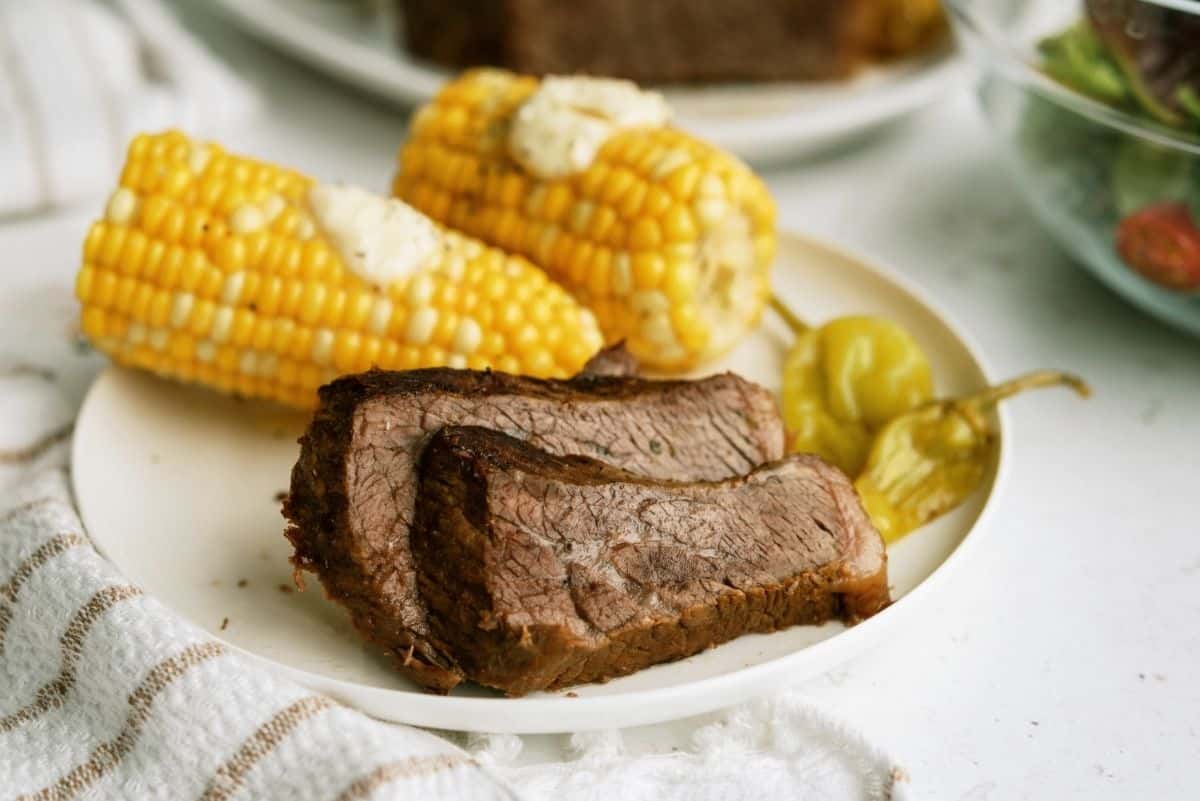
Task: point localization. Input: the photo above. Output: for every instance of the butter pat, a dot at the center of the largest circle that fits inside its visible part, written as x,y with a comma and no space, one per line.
380,239
559,129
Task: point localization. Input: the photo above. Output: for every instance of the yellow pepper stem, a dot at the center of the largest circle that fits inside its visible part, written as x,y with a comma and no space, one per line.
923,463
793,321
1036,379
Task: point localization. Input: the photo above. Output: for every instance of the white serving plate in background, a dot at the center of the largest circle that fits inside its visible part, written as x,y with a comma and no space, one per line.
761,122
178,485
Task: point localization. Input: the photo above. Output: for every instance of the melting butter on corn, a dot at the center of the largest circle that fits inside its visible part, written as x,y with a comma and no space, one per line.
560,128
380,239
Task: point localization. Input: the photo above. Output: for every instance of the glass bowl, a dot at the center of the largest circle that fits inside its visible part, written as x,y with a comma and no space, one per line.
1118,190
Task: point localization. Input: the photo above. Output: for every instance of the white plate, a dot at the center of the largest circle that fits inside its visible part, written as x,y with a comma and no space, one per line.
760,122
177,486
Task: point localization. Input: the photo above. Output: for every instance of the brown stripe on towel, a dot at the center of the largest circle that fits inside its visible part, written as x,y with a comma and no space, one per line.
27,506
108,755
401,769
47,551
25,369
229,777
53,694
37,447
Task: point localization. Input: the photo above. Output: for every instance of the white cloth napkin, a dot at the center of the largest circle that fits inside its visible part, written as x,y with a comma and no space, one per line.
79,78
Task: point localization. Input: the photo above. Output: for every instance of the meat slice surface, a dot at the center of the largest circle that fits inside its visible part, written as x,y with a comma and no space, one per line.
353,488
541,571
615,360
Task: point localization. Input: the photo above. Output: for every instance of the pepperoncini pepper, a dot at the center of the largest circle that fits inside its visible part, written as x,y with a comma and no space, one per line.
845,379
927,461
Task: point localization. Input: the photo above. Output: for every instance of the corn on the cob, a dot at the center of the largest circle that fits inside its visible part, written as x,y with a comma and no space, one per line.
667,239
213,268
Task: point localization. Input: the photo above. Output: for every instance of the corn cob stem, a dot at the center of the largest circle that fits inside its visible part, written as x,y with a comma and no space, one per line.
793,321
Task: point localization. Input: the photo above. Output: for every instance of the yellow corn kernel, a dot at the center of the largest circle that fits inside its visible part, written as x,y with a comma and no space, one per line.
173,224
291,294
85,282
263,334
345,350
211,282
539,362
92,322
201,320
658,201
368,353
645,235
620,181
603,222
312,303
181,348
139,308
559,200
192,271
349,308
682,183
434,356
678,224
243,327
681,283
648,269
509,316
109,253
570,349
160,308
631,205
583,262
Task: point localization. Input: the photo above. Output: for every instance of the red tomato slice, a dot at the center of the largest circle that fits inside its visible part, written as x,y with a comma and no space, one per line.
1162,244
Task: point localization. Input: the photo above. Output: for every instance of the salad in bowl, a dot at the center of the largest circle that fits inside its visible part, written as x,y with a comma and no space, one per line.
1099,116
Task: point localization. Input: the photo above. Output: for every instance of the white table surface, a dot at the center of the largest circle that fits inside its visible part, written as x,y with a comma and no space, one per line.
1062,660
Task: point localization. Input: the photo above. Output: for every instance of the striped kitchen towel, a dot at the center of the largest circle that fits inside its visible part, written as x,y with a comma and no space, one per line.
79,78
108,696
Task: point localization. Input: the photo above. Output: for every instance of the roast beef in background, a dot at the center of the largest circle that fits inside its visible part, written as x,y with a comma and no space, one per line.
655,41
353,488
541,571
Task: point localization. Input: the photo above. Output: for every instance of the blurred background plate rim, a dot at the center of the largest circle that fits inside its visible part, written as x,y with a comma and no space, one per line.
546,713
856,105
